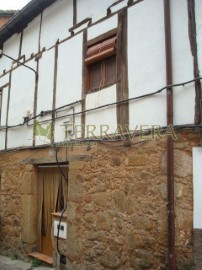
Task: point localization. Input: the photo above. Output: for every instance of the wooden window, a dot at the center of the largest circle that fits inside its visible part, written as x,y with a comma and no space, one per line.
101,64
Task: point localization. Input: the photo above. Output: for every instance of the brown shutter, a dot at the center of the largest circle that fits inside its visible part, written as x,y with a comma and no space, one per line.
110,70
101,50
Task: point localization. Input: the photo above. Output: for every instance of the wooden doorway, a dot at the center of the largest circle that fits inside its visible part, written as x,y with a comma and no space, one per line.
52,197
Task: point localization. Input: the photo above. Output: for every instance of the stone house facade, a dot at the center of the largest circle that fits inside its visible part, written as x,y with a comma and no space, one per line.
100,134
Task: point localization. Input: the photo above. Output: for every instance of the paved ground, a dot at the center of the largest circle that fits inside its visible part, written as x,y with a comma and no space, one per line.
6,267
7,263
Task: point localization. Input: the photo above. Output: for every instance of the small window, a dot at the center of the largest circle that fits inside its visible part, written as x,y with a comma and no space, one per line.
101,64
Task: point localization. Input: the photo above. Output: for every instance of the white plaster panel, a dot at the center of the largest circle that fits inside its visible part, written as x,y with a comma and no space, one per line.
184,97
146,63
11,48
31,37
45,84
22,93
4,80
59,135
197,186
57,19
103,27
90,9
4,106
20,137
198,12
105,116
21,101
119,6
69,77
2,139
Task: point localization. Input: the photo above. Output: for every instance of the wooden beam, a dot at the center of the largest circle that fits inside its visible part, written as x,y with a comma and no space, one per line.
122,70
84,82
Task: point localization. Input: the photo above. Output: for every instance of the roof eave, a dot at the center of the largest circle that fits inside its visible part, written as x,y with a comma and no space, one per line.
22,18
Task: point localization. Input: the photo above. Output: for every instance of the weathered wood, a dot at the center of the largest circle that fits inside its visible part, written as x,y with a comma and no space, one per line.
7,110
74,12
84,82
122,70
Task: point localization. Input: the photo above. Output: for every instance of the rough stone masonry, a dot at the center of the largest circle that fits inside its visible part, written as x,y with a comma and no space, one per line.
117,205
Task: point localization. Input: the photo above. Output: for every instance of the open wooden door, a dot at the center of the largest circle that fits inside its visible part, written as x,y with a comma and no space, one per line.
52,194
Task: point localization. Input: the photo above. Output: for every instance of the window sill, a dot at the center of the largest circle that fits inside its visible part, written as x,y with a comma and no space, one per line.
101,88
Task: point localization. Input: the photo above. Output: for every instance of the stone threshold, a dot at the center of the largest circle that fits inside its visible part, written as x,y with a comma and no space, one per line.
42,257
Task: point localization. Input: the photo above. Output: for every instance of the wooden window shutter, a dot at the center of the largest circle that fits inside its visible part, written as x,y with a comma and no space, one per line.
101,50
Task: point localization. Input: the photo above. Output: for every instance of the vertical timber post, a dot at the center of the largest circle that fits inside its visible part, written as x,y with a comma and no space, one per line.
170,151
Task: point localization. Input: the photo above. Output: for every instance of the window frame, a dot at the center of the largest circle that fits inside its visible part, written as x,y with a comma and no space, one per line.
101,58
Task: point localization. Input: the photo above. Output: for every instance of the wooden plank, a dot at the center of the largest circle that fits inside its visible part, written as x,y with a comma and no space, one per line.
54,91
42,257
122,70
74,12
7,111
84,82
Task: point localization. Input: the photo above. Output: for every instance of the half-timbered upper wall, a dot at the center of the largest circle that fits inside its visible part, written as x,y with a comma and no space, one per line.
56,21
60,67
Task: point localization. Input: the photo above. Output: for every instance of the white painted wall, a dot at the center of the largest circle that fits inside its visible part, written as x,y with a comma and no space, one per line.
105,116
197,185
103,27
2,139
22,93
146,63
4,80
24,137
46,80
69,78
30,43
45,89
90,9
11,48
57,19
184,97
59,134
4,106
198,11
119,6
21,101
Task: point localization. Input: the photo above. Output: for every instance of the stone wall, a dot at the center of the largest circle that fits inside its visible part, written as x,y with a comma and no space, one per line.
117,204
18,205
117,211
